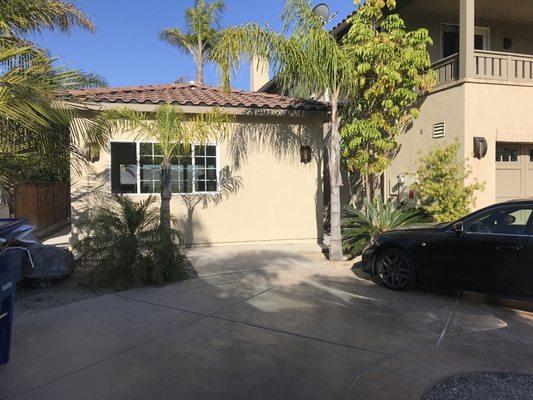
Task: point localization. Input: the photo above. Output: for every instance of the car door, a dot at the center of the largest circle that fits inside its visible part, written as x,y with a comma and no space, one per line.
527,271
494,246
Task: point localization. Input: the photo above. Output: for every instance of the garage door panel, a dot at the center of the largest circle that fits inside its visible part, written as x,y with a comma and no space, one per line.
509,183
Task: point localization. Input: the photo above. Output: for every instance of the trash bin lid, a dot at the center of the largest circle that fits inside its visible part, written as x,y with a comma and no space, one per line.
10,224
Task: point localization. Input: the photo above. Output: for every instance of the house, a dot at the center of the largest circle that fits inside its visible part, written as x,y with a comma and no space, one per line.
483,54
262,184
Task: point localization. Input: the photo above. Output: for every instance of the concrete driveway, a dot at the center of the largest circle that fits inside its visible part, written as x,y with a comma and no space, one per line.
262,323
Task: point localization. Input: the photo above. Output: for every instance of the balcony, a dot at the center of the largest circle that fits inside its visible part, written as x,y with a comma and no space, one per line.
488,65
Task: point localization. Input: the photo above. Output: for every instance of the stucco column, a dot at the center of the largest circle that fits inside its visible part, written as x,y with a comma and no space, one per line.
467,33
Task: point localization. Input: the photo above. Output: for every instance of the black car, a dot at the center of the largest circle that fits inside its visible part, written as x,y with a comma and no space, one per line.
488,251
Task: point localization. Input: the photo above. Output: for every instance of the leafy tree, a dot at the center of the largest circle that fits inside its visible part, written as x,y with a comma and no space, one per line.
393,70
126,244
175,133
442,186
33,130
308,60
360,227
201,34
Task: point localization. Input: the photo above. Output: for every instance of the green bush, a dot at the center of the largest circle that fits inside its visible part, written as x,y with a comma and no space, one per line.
130,247
441,184
359,227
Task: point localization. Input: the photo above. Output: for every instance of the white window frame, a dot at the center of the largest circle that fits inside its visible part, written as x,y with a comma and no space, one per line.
138,160
480,30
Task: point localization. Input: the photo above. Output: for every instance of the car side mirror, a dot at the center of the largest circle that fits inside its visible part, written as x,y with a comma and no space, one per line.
459,228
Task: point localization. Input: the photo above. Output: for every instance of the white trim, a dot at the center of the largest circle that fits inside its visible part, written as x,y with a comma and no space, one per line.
480,30
138,158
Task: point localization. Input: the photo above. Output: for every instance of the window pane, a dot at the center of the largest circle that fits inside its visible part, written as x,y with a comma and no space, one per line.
200,186
123,168
509,221
211,162
211,151
199,150
212,186
212,174
507,154
200,161
146,149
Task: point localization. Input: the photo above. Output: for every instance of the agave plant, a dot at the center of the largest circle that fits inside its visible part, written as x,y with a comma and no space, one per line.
129,247
360,227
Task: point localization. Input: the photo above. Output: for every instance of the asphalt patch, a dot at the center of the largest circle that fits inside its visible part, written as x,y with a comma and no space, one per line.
483,386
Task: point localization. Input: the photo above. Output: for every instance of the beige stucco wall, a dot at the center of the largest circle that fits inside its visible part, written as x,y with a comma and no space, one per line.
277,199
444,106
500,113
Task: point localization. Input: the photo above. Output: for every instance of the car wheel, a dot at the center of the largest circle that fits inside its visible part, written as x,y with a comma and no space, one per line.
396,270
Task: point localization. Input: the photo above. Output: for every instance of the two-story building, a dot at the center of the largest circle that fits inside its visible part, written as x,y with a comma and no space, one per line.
483,54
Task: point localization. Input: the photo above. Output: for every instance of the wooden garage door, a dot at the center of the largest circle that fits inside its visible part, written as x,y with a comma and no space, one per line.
514,171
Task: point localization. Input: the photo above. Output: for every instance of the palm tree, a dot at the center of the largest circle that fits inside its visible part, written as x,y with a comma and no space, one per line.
30,121
201,34
306,59
174,132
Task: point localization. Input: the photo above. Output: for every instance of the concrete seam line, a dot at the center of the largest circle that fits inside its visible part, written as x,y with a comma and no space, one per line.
346,346
123,351
450,318
368,368
213,316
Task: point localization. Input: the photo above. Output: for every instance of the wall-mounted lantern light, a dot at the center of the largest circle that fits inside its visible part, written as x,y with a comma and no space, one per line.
306,154
507,43
481,147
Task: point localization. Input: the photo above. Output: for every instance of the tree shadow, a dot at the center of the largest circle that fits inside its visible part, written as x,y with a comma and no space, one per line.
228,186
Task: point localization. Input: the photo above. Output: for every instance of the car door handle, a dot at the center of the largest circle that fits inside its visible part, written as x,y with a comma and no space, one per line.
509,249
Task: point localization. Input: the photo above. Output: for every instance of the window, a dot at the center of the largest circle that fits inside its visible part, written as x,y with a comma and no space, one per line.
136,168
450,39
508,221
123,168
507,154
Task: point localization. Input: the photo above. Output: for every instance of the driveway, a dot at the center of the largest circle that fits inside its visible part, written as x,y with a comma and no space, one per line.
263,323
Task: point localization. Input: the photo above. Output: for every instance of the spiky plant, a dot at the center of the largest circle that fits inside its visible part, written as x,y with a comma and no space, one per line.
359,227
128,247
201,34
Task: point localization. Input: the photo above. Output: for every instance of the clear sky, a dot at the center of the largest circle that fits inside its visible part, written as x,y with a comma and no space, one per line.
126,49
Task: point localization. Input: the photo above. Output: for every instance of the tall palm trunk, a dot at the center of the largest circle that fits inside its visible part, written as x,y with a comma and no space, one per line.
166,193
200,63
334,150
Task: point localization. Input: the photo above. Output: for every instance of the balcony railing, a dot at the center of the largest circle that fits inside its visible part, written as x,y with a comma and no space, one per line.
447,69
504,66
491,65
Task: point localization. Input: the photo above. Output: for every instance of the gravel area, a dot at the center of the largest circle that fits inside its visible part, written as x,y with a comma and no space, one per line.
483,386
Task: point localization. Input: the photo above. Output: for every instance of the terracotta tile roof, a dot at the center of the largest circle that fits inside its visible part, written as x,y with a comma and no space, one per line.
191,95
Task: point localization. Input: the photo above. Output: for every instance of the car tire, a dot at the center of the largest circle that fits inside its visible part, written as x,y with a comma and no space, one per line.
396,270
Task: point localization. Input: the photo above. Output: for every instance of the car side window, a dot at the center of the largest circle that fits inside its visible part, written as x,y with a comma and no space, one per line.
503,221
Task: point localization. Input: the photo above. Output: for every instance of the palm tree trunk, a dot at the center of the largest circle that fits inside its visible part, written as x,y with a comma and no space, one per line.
166,193
199,61
335,246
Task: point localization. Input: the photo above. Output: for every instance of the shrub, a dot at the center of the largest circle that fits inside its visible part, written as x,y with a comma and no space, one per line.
130,247
376,217
441,184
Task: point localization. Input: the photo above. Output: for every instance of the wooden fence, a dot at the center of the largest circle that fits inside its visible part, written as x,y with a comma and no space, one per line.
42,204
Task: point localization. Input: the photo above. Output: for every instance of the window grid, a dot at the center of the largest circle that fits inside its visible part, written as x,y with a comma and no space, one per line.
195,174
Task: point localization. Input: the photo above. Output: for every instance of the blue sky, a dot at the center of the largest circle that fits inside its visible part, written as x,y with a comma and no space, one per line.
126,49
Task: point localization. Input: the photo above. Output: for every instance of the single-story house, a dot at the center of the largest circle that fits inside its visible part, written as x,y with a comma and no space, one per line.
262,184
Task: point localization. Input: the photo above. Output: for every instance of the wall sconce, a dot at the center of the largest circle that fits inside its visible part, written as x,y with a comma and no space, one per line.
507,43
305,154
92,153
481,147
